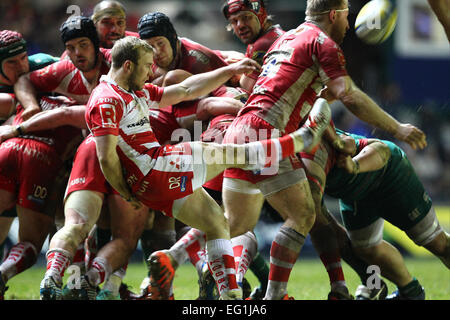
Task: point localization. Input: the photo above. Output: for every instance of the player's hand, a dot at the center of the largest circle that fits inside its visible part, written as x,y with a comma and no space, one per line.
7,132
29,112
245,66
412,135
233,57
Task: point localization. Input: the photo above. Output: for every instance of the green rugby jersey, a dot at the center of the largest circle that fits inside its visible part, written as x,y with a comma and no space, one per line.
37,61
395,178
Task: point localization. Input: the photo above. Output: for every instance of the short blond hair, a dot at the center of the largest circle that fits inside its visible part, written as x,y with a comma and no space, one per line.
128,48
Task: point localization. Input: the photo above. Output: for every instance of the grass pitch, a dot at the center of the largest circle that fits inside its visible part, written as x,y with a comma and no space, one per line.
308,281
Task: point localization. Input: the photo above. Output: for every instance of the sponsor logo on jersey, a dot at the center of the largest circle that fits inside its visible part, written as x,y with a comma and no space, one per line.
140,123
183,183
81,180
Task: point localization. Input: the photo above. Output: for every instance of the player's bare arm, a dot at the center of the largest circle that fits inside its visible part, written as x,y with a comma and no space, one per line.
202,84
112,168
26,94
372,157
45,120
361,105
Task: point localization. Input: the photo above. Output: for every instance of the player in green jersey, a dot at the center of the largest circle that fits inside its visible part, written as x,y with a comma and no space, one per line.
376,183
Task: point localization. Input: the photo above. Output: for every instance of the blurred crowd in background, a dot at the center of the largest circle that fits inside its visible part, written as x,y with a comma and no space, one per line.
202,21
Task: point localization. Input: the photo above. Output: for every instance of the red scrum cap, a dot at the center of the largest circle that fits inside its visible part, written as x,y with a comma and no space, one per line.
256,7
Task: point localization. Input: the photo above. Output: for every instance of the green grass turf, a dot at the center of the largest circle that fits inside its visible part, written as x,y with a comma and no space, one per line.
308,281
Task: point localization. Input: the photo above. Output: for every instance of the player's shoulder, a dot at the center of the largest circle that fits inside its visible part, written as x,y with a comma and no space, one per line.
58,69
131,34
265,41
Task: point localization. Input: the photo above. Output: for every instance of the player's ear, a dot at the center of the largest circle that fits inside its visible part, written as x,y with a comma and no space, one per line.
332,15
128,66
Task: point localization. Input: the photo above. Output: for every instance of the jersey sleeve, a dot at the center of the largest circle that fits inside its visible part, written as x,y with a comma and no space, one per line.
154,95
103,115
331,60
49,78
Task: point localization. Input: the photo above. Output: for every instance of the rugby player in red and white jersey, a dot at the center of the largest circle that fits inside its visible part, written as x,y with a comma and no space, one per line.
175,59
165,178
251,24
255,28
110,19
74,78
296,68
31,166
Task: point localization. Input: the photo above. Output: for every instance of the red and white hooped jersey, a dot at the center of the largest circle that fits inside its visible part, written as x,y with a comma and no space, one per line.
295,69
113,110
64,78
259,48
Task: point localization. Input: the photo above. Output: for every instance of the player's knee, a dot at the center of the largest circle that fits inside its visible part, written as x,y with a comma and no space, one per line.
73,234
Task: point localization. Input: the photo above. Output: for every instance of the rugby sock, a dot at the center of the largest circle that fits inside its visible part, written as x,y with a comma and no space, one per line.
114,281
190,246
57,262
99,271
283,254
221,264
332,262
21,257
79,258
266,153
325,242
244,248
260,269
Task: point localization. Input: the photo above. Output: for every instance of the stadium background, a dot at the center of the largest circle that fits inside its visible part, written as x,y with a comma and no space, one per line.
408,76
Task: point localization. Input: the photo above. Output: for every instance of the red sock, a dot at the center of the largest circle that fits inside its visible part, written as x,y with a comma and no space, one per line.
332,262
21,257
57,262
221,264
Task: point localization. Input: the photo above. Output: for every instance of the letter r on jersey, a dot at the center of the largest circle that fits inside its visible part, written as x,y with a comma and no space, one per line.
108,114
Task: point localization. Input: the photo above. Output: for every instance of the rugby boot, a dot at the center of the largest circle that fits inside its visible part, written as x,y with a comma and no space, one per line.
364,293
50,289
161,275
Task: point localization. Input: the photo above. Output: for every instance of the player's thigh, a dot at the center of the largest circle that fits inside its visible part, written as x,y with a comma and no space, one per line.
33,226
126,222
200,211
294,202
7,200
243,202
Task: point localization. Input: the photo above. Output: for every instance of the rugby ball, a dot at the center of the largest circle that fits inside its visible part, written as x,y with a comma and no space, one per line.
376,21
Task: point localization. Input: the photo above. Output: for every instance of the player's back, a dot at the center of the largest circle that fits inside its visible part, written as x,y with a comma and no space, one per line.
295,69
196,58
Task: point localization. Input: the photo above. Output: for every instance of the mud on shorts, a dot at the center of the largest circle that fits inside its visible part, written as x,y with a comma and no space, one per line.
27,169
289,171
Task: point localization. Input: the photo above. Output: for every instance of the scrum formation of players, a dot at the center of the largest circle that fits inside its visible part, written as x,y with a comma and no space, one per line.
89,155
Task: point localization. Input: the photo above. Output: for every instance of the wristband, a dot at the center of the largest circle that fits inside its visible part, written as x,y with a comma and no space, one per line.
19,130
356,166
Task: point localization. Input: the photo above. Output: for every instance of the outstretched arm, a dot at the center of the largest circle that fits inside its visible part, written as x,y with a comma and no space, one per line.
362,106
203,83
45,120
